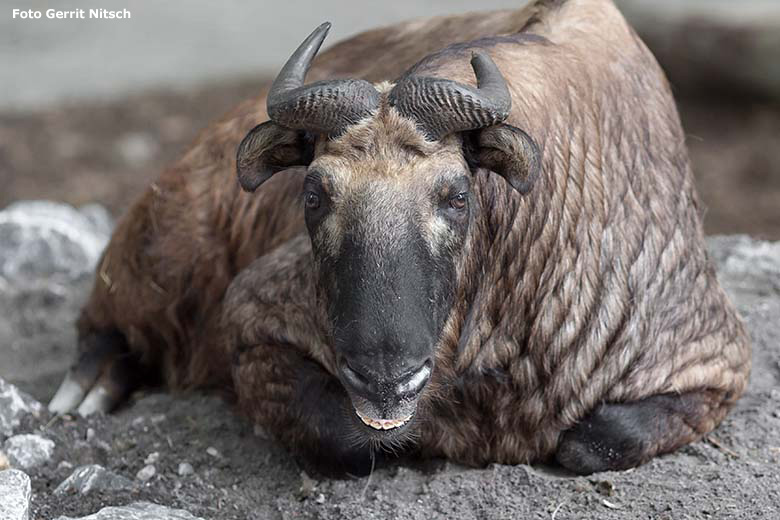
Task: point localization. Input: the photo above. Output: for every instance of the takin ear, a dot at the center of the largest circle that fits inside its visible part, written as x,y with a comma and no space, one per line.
269,148
507,151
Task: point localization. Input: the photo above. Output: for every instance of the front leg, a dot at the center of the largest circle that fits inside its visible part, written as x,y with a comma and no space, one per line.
302,405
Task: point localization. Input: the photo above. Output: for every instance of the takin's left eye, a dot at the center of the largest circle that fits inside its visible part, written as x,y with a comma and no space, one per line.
458,201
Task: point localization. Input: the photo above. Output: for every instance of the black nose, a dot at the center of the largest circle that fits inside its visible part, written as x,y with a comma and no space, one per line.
375,388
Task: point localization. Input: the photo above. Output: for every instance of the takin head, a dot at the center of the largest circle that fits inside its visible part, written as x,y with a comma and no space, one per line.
389,210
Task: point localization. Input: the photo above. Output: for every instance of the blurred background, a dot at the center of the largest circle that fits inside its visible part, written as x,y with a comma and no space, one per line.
91,110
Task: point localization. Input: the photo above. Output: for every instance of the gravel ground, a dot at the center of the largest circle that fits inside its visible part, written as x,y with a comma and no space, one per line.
237,473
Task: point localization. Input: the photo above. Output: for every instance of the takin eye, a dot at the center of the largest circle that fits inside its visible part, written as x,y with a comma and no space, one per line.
312,201
458,202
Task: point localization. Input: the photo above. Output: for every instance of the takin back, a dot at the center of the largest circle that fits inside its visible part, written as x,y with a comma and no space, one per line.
482,242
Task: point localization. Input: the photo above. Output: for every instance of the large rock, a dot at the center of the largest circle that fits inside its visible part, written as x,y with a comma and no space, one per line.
48,253
15,494
14,404
747,265
41,240
137,511
28,451
92,477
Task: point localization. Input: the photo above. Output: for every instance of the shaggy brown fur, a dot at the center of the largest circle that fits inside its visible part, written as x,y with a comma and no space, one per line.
593,288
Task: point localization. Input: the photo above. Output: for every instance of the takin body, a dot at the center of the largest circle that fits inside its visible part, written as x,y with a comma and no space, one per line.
513,272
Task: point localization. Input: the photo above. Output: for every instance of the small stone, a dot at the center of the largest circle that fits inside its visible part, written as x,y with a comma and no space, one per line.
28,450
211,450
604,487
137,511
308,486
92,477
64,465
146,473
152,458
4,462
16,491
14,404
185,468
90,434
320,499
157,418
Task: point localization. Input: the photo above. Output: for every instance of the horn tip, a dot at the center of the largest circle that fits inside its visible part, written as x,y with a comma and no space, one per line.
477,55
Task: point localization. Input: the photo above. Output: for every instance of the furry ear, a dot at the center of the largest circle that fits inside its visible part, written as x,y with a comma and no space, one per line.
269,148
507,151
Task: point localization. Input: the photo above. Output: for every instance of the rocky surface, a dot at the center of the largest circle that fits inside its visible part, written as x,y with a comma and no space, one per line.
14,495
48,253
137,511
92,477
28,450
14,404
213,464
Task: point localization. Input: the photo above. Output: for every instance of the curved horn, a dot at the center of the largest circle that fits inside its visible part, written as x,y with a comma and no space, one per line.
443,106
323,106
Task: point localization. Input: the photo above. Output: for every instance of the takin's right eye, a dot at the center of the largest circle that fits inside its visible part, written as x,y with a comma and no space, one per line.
315,199
312,201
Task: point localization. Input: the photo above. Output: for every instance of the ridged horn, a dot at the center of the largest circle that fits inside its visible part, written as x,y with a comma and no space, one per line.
442,106
323,106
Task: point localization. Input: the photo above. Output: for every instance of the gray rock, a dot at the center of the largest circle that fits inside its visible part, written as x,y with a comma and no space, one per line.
185,468
14,404
211,450
48,252
41,240
92,477
152,458
28,450
15,491
137,511
749,266
146,473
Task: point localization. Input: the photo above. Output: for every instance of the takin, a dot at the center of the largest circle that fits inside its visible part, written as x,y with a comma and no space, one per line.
484,244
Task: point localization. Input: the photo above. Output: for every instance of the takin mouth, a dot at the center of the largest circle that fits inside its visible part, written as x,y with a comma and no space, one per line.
383,424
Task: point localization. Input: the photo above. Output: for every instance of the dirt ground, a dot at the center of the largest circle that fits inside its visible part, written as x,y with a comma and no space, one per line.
108,152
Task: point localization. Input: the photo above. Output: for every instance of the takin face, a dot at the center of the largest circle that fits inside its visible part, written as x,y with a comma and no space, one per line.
389,210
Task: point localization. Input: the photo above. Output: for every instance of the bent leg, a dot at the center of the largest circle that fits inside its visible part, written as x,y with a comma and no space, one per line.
623,435
302,405
104,374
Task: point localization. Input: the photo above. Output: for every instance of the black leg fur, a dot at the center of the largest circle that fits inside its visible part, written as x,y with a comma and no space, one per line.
104,374
304,407
623,435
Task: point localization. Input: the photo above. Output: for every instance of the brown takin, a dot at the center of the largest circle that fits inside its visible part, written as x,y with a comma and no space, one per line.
487,250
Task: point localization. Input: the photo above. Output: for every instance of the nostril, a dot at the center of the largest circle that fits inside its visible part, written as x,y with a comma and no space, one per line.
354,378
415,382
